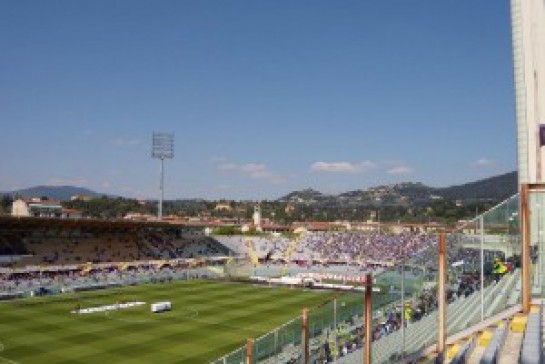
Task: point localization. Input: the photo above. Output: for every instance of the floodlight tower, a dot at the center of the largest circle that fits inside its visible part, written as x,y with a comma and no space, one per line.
162,148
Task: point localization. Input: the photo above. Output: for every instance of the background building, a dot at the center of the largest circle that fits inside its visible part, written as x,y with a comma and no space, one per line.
36,207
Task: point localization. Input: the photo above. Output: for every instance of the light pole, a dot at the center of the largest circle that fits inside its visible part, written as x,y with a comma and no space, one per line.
162,148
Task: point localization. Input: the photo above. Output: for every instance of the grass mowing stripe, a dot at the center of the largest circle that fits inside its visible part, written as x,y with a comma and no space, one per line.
208,320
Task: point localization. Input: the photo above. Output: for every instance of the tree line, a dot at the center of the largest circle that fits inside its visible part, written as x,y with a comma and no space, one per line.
440,211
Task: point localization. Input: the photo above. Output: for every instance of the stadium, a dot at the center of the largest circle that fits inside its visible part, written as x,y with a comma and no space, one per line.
81,291
78,290
87,278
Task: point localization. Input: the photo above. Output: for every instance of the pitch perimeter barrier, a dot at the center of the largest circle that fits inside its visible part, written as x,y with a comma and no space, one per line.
103,281
479,268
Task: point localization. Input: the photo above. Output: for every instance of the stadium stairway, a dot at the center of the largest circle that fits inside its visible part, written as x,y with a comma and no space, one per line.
503,295
287,255
290,249
510,351
420,333
489,344
251,250
495,299
461,313
499,339
532,343
517,339
515,294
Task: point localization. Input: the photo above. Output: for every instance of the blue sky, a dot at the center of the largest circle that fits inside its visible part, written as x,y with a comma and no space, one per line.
264,97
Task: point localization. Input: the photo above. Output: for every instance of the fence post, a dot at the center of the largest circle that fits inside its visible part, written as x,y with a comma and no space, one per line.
441,297
368,318
305,338
526,262
249,351
276,344
336,351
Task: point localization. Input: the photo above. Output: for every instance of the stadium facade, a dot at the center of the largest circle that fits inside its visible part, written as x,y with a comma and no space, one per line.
528,31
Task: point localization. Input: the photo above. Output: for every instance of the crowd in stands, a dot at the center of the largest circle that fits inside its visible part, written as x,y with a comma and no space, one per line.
350,334
7,247
331,247
369,247
105,248
53,281
44,247
184,244
47,247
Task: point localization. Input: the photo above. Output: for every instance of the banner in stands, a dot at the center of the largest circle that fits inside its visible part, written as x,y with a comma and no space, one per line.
333,277
118,265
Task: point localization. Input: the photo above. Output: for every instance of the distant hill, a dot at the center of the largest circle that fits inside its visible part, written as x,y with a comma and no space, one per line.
395,194
307,195
62,193
495,188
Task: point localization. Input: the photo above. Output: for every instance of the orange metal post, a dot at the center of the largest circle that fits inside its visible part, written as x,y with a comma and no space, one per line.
441,296
306,347
249,351
368,318
526,262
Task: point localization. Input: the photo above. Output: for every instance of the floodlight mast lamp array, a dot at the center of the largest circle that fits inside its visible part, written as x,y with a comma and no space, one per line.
162,148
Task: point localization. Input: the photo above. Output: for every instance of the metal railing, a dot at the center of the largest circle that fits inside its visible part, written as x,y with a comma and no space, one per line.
482,278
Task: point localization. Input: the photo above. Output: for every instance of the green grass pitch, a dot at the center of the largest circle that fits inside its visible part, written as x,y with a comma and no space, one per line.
208,319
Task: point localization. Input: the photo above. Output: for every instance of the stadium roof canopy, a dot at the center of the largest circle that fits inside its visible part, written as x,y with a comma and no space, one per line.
15,223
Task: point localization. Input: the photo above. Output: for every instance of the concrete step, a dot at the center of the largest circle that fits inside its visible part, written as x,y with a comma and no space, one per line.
510,351
476,355
483,339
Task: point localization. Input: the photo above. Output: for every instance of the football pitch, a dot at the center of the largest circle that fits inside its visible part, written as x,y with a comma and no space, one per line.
208,319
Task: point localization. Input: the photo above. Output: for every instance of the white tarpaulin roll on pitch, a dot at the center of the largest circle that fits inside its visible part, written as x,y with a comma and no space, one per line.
113,307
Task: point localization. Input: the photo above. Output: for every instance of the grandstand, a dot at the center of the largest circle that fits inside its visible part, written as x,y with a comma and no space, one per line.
481,317
51,257
430,302
470,295
60,242
59,256
330,247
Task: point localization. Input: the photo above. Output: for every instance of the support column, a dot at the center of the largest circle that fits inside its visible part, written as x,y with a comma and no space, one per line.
441,297
249,351
305,338
162,194
525,261
368,318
